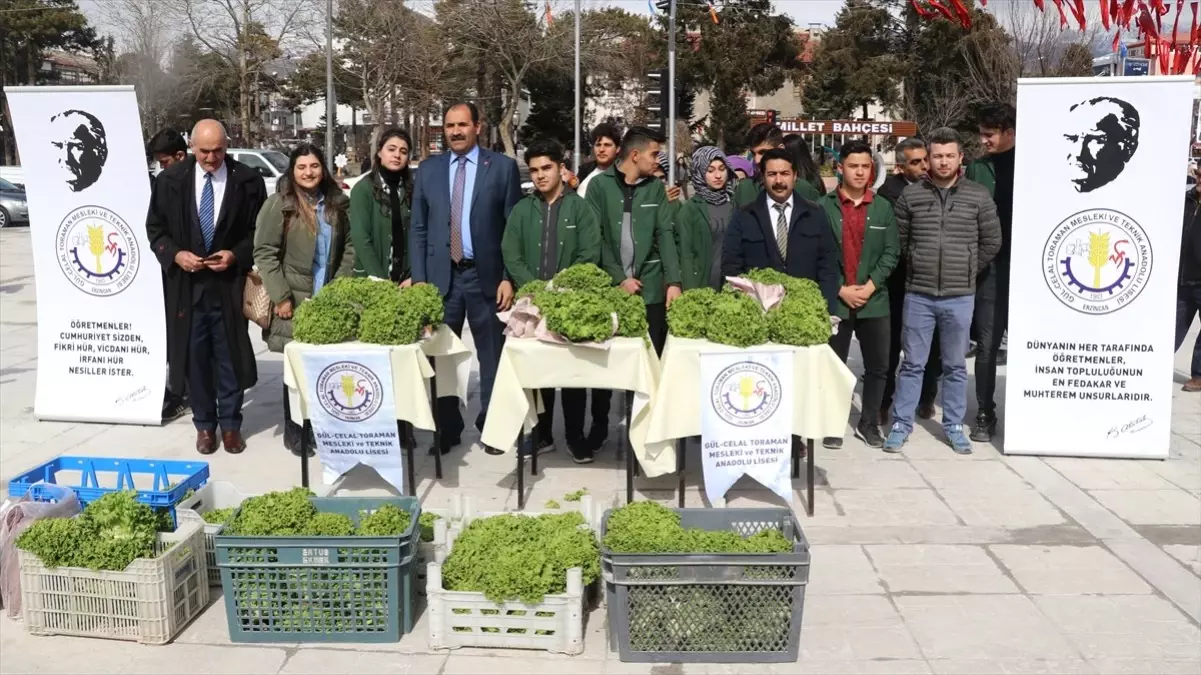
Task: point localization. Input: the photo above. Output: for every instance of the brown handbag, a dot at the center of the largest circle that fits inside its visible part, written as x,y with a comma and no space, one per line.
256,303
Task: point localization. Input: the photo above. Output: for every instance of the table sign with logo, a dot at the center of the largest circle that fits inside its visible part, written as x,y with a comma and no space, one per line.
353,412
1095,255
101,328
746,420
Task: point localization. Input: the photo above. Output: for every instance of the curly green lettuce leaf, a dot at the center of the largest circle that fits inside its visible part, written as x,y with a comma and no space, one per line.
580,317
386,521
688,316
391,321
737,320
582,277
631,312
426,302
325,321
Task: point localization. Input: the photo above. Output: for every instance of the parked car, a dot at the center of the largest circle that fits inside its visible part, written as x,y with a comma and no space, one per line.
269,163
13,208
14,175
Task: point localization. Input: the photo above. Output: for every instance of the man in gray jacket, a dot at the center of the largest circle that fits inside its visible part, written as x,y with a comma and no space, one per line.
949,231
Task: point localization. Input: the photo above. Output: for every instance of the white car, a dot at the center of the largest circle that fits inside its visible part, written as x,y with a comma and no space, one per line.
269,163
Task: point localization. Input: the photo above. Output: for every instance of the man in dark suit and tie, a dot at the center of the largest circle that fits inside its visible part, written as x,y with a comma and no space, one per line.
783,231
461,201
201,229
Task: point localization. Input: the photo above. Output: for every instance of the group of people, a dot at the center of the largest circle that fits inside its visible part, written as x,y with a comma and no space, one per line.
907,270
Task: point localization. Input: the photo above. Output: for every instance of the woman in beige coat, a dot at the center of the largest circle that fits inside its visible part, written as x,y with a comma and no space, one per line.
301,242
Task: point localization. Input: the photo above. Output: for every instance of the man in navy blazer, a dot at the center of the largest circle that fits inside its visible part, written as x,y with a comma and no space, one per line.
783,231
461,201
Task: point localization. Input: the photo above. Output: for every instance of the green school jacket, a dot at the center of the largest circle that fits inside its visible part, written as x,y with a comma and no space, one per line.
371,231
694,243
881,249
656,261
578,236
984,172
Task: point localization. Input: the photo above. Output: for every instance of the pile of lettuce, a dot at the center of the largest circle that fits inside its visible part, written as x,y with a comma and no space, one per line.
369,310
110,533
293,514
579,303
733,318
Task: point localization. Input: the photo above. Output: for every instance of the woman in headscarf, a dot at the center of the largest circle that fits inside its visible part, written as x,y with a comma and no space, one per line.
700,226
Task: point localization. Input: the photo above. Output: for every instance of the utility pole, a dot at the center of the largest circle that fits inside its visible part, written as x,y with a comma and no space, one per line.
671,95
575,165
330,102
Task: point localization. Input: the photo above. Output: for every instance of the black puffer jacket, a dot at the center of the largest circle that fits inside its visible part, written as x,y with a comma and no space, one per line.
1190,242
946,242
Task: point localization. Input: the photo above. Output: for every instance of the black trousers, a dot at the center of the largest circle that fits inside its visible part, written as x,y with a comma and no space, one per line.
896,309
574,401
602,399
992,318
212,383
874,337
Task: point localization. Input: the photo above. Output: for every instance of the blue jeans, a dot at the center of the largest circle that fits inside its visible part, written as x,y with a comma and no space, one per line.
953,317
1188,304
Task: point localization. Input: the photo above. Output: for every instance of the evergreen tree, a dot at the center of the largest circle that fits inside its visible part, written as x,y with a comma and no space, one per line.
855,64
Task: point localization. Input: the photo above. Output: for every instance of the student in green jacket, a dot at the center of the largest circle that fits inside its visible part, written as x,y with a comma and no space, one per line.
866,230
551,229
379,211
700,226
638,248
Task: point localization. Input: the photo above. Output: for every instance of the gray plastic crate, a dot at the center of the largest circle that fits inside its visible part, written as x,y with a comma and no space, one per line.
214,495
709,608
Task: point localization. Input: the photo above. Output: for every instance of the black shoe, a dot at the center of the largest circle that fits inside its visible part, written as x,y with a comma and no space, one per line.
581,452
971,350
925,409
448,444
174,409
870,435
597,436
986,426
832,442
544,444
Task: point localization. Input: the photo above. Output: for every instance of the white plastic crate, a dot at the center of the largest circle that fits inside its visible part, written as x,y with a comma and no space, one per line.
466,619
214,495
150,601
432,551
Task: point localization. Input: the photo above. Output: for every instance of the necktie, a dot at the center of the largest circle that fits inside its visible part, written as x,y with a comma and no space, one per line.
456,210
781,230
207,224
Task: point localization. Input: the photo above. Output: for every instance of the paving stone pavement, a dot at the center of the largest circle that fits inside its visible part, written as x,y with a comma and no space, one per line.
924,562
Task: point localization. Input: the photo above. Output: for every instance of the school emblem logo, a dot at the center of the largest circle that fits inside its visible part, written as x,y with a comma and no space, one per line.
349,391
97,251
745,394
1097,261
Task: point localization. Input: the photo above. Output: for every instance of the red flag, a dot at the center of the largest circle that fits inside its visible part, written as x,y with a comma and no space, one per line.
1039,4
942,9
1077,8
921,10
1127,13
1063,18
965,17
1176,22
1117,39
1105,13
1164,54
713,13
1192,31
549,18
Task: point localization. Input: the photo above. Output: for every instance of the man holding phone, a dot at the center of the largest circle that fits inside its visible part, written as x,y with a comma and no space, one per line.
201,229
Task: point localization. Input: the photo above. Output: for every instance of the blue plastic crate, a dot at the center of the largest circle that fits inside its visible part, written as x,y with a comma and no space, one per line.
172,479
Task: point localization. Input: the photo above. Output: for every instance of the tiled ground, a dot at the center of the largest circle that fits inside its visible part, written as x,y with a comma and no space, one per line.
924,562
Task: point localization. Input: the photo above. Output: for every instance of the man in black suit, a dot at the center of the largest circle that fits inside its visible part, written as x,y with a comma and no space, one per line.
201,229
461,201
167,147
783,231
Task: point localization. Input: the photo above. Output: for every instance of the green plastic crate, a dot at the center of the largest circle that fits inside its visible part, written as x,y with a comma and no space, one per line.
322,589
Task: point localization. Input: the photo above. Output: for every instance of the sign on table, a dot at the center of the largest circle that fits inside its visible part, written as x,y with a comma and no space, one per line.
102,344
352,412
1096,245
746,420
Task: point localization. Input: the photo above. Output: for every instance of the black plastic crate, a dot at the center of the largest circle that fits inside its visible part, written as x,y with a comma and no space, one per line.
710,608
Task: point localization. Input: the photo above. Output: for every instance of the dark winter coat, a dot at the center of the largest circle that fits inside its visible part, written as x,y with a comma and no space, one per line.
1190,242
946,243
172,225
812,250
